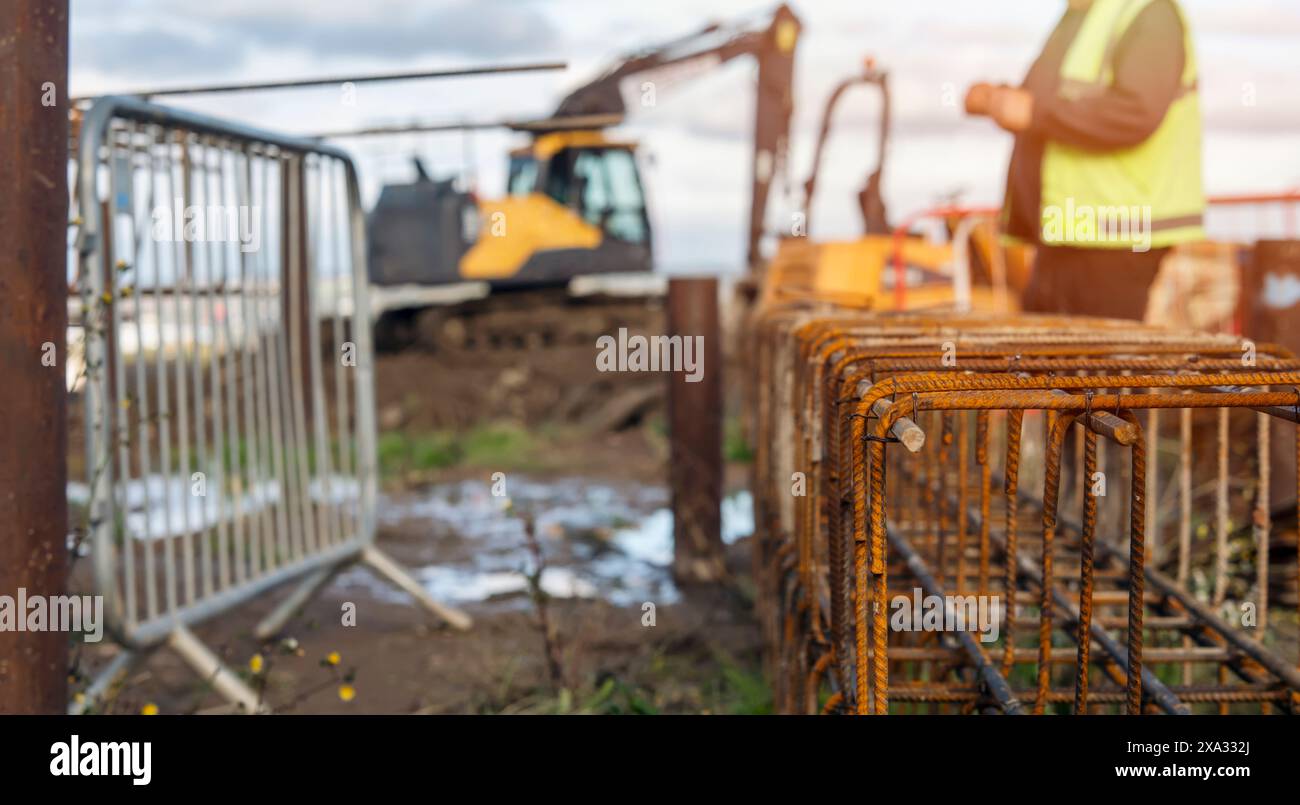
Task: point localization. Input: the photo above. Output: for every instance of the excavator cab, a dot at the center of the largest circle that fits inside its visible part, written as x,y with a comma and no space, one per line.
574,206
599,183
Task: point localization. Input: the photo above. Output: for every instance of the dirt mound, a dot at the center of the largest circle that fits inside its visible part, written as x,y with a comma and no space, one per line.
525,357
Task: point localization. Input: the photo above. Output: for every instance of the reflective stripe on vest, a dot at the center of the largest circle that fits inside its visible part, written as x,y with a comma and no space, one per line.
1146,196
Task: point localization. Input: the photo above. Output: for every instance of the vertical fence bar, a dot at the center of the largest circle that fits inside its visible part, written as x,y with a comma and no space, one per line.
239,374
201,349
268,383
342,348
182,292
161,386
106,386
216,575
315,319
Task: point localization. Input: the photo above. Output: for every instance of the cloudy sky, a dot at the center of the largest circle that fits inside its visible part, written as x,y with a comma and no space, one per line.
696,138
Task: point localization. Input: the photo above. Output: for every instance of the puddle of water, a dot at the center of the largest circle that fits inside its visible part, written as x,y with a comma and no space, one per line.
651,539
457,586
600,540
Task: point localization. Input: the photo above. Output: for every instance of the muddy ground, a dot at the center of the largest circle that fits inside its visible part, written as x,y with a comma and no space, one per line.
599,503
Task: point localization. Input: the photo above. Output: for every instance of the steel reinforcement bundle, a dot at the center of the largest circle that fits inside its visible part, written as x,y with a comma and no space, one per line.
1027,514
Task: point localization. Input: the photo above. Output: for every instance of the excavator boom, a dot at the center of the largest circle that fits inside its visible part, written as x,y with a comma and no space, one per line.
773,48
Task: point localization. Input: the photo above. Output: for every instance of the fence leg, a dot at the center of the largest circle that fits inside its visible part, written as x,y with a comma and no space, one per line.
210,667
273,623
104,681
377,561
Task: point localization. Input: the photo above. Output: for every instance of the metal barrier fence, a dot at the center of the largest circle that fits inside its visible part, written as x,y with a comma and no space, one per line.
935,456
230,413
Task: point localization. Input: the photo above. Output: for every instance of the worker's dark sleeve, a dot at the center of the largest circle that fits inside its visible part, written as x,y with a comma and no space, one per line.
1149,62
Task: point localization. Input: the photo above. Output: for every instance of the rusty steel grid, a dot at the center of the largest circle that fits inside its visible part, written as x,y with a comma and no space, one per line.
946,452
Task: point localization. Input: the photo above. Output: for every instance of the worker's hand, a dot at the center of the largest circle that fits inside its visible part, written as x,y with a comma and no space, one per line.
979,97
1012,109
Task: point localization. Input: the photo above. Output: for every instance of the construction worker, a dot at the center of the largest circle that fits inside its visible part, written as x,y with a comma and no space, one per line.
1105,175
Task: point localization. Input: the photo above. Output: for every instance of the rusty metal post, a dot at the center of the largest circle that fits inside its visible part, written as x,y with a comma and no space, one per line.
33,328
695,424
1268,323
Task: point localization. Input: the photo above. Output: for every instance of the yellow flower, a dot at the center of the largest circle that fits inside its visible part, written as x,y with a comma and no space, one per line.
347,692
255,664
149,709
333,658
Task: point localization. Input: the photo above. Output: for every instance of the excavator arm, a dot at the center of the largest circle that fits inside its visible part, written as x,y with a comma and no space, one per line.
772,46
875,221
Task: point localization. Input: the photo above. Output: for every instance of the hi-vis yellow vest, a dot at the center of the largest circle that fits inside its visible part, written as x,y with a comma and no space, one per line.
1146,196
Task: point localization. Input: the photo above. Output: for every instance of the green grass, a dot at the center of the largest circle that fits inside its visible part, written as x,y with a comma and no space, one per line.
744,692
497,446
735,447
731,690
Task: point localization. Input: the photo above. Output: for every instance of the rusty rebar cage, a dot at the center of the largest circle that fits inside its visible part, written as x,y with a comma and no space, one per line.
966,459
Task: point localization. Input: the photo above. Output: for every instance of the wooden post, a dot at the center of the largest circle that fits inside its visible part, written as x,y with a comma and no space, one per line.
33,334
695,423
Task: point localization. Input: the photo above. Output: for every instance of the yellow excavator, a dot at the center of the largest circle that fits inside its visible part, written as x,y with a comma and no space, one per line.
454,271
